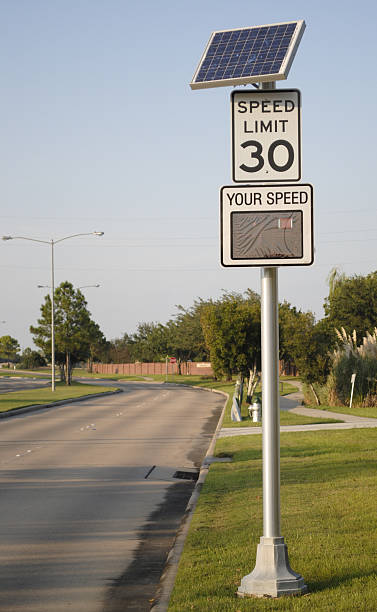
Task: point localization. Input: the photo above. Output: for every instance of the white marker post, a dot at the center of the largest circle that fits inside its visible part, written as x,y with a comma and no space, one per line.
353,377
272,575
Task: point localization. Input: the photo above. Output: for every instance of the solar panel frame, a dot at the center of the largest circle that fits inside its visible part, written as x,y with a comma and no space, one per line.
235,70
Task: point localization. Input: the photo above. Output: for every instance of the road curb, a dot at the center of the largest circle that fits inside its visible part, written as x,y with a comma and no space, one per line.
169,574
36,407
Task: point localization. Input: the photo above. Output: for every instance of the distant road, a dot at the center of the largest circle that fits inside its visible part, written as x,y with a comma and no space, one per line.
18,384
90,500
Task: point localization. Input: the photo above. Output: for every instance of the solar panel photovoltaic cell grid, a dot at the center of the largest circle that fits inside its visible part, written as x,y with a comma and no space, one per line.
246,53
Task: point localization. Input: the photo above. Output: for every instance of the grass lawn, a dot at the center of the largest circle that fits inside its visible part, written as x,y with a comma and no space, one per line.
13,373
286,418
363,411
328,517
31,397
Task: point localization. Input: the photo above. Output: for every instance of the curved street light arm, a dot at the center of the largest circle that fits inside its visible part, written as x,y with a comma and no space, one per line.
52,241
75,236
24,238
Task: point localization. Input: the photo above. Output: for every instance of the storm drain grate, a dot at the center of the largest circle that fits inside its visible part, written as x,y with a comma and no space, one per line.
186,475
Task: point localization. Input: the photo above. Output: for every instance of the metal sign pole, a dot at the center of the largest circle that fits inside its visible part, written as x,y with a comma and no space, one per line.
270,396
272,574
270,403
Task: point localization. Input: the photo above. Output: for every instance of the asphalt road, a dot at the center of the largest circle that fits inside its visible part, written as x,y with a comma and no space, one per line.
90,500
18,384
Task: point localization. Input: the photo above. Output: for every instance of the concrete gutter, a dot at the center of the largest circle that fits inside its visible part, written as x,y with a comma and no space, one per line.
37,407
171,567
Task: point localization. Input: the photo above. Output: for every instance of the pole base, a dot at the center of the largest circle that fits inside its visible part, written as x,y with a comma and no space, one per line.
272,575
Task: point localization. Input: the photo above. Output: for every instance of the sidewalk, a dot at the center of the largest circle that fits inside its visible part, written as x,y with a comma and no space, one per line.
293,403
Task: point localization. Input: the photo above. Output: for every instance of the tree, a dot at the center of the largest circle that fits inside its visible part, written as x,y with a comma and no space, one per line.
231,328
295,329
74,329
119,350
185,334
352,302
9,348
150,342
182,336
314,359
98,344
31,359
306,343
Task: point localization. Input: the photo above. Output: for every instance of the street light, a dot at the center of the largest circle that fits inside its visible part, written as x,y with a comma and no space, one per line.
49,287
87,286
52,244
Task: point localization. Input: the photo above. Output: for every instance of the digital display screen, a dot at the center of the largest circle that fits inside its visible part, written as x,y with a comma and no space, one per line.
269,235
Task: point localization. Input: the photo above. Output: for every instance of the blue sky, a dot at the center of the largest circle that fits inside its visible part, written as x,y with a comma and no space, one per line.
101,131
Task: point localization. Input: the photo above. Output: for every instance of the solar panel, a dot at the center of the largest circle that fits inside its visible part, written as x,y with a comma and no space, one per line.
248,55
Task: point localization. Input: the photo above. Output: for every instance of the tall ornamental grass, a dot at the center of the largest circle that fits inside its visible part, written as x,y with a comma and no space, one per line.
351,359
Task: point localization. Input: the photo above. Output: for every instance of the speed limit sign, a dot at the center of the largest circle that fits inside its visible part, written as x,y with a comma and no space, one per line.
266,135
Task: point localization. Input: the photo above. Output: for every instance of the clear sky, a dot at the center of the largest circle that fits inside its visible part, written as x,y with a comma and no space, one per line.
101,131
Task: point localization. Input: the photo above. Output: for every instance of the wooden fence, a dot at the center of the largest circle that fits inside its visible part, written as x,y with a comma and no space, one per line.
146,369
187,367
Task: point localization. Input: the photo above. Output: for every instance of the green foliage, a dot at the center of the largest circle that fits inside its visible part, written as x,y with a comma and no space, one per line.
9,348
119,350
231,328
76,336
305,343
352,302
294,327
31,359
185,335
227,332
98,345
150,342
181,337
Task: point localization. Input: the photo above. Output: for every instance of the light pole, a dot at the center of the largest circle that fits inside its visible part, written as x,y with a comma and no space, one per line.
52,244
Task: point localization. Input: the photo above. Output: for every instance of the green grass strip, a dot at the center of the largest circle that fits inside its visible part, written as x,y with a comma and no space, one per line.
328,515
15,374
31,397
362,411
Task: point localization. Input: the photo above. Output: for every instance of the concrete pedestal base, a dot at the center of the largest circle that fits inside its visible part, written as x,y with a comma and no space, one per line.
272,575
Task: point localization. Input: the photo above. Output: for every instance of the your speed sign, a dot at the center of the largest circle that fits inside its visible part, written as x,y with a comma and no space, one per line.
266,136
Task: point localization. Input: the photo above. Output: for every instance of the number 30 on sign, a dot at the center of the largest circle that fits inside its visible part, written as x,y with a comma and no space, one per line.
266,135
